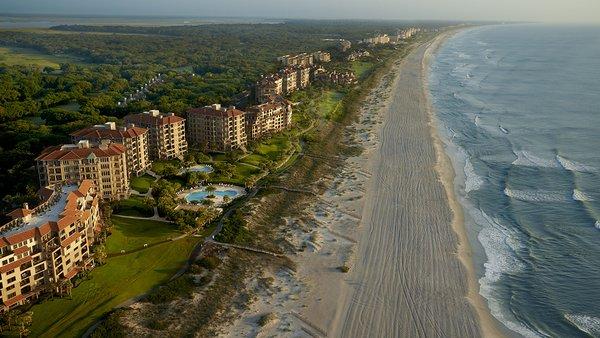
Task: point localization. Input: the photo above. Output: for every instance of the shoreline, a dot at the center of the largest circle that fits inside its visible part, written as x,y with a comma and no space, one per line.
445,169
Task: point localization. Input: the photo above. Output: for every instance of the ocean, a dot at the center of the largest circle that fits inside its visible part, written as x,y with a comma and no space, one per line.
518,107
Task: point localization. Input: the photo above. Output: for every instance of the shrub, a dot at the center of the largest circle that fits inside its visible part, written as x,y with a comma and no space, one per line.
344,268
210,262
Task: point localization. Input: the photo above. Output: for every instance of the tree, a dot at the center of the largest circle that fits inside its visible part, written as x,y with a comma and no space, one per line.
24,323
100,254
211,188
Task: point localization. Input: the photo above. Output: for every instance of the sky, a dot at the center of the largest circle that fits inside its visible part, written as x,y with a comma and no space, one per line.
463,10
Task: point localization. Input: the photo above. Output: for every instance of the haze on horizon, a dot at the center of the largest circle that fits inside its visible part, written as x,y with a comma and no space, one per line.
461,10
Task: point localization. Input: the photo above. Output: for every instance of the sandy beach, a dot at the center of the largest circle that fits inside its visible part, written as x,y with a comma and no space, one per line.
389,215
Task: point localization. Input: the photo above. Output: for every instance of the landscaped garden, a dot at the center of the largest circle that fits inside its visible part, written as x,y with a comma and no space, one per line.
142,183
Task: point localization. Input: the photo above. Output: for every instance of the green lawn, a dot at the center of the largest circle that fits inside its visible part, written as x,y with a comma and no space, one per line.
122,278
142,183
13,56
129,234
361,68
330,104
133,206
241,172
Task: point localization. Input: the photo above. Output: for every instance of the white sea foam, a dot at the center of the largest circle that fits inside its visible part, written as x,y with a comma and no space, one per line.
535,195
587,324
472,180
500,244
579,195
571,165
525,158
597,225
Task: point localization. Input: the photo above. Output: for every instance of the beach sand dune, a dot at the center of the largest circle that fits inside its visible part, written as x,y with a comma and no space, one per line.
407,279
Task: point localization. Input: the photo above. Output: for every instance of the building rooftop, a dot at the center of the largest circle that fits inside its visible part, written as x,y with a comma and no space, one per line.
153,117
53,214
216,110
80,150
109,131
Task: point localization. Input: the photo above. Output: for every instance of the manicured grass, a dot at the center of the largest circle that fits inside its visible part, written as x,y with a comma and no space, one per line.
25,57
362,68
142,183
274,147
122,278
254,159
241,172
330,104
133,206
128,234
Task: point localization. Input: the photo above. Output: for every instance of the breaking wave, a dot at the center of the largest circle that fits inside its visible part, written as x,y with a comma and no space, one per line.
535,195
527,159
571,165
587,324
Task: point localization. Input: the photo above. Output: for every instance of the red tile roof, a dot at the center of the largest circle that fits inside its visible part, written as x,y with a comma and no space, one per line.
210,111
56,153
14,300
96,133
18,213
147,119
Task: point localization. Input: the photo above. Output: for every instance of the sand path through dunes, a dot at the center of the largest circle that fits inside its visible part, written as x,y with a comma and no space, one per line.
407,280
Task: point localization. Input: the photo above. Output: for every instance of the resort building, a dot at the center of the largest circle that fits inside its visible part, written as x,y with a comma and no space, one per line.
46,245
377,40
344,45
290,81
104,164
302,59
166,133
217,128
268,118
268,87
302,77
135,140
320,56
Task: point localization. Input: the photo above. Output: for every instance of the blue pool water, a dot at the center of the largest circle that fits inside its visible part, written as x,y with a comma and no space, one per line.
519,109
200,168
200,195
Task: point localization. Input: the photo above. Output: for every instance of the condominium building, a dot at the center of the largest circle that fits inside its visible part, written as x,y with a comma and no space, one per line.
104,164
378,39
43,246
302,77
216,128
302,59
268,87
135,140
290,81
166,138
268,118
320,56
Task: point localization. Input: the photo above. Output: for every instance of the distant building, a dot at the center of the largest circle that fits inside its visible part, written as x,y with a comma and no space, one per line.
377,40
268,118
268,87
302,77
302,59
217,128
358,54
320,56
42,246
135,139
166,133
105,165
336,77
289,76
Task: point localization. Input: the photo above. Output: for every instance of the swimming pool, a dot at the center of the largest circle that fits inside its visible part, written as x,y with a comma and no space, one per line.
200,194
200,168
